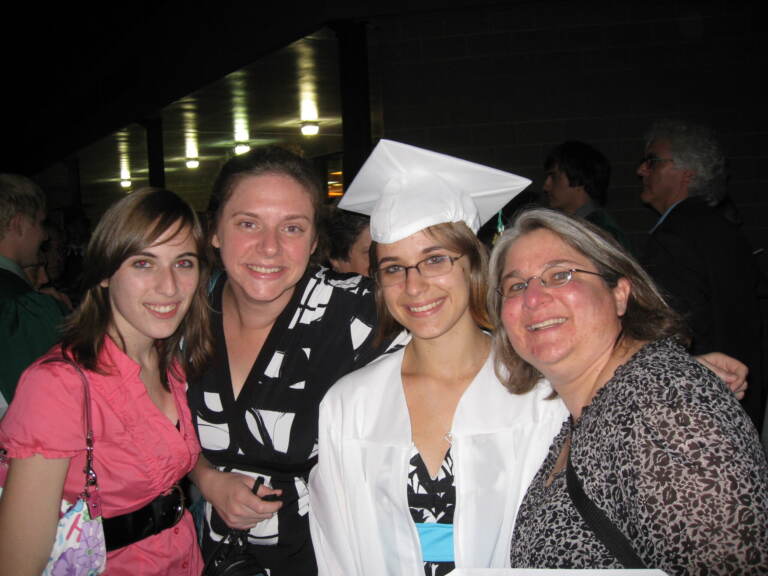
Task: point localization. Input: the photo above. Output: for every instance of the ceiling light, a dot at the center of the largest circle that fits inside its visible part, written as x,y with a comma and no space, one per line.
125,183
241,148
193,163
310,128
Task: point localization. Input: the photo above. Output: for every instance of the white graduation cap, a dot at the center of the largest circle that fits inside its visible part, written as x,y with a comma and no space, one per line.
406,189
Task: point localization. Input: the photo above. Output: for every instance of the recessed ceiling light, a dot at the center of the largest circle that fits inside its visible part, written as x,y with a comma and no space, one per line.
310,128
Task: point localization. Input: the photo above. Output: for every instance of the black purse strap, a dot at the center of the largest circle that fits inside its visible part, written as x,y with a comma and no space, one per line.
605,530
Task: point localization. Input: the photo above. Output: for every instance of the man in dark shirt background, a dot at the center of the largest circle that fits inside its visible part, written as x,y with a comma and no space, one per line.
703,262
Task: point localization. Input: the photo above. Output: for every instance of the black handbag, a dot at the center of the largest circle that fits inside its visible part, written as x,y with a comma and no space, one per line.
231,557
605,530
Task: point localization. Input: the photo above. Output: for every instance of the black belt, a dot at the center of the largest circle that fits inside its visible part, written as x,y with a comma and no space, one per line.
162,513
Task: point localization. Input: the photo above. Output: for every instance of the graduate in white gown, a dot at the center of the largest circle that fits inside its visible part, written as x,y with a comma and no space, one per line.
424,456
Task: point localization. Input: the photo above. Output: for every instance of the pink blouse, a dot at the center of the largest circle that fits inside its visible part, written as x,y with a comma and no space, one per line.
138,452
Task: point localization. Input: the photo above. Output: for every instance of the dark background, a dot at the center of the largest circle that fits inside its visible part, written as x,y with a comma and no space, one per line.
496,82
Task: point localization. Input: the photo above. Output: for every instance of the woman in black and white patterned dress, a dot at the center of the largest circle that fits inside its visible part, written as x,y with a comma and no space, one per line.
284,331
657,442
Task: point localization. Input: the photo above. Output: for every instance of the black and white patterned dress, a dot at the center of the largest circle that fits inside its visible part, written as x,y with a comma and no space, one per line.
432,500
270,430
666,451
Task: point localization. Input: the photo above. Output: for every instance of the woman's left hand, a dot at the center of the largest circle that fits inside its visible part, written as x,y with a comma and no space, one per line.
728,369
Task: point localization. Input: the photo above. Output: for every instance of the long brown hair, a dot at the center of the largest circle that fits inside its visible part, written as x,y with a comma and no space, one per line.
128,227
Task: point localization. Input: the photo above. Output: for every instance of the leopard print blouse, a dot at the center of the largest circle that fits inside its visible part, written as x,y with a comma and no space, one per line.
665,450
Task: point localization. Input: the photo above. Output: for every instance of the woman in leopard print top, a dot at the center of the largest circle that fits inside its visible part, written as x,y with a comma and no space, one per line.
657,441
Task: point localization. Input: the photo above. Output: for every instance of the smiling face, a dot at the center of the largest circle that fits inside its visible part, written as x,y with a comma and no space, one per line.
152,290
265,234
428,307
561,331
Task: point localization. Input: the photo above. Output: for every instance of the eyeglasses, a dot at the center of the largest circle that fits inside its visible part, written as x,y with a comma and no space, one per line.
512,287
435,265
651,160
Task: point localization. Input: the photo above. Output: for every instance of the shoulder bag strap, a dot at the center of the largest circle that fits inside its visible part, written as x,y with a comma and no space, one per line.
90,473
605,530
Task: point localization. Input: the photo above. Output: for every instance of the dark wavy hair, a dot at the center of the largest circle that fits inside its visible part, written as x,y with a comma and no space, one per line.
584,165
456,236
648,316
340,230
129,226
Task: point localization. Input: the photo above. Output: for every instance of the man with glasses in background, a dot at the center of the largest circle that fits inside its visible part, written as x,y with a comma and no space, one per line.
702,262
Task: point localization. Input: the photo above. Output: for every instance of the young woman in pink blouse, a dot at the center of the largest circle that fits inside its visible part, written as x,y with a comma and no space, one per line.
144,297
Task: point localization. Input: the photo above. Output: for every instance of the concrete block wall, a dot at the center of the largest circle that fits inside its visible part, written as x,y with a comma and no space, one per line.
503,82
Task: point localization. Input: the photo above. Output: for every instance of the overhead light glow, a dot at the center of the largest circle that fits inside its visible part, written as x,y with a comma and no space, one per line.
310,128
308,108
193,163
189,116
125,161
307,82
241,129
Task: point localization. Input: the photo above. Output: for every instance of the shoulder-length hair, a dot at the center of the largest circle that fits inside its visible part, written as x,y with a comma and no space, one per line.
129,226
455,236
648,317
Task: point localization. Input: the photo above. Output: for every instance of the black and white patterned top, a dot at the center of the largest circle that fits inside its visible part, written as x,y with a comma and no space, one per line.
432,500
270,430
667,452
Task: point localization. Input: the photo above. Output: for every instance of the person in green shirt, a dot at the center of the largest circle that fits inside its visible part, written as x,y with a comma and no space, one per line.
29,319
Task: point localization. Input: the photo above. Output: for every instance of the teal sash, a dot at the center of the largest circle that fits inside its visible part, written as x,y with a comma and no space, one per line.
436,541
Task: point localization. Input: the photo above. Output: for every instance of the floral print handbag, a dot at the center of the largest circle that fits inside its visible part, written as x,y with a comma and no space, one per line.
79,548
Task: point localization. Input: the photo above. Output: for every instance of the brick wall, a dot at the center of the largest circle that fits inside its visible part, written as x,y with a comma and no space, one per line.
503,82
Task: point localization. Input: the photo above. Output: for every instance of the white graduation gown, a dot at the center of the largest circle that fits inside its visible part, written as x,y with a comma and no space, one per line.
359,515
